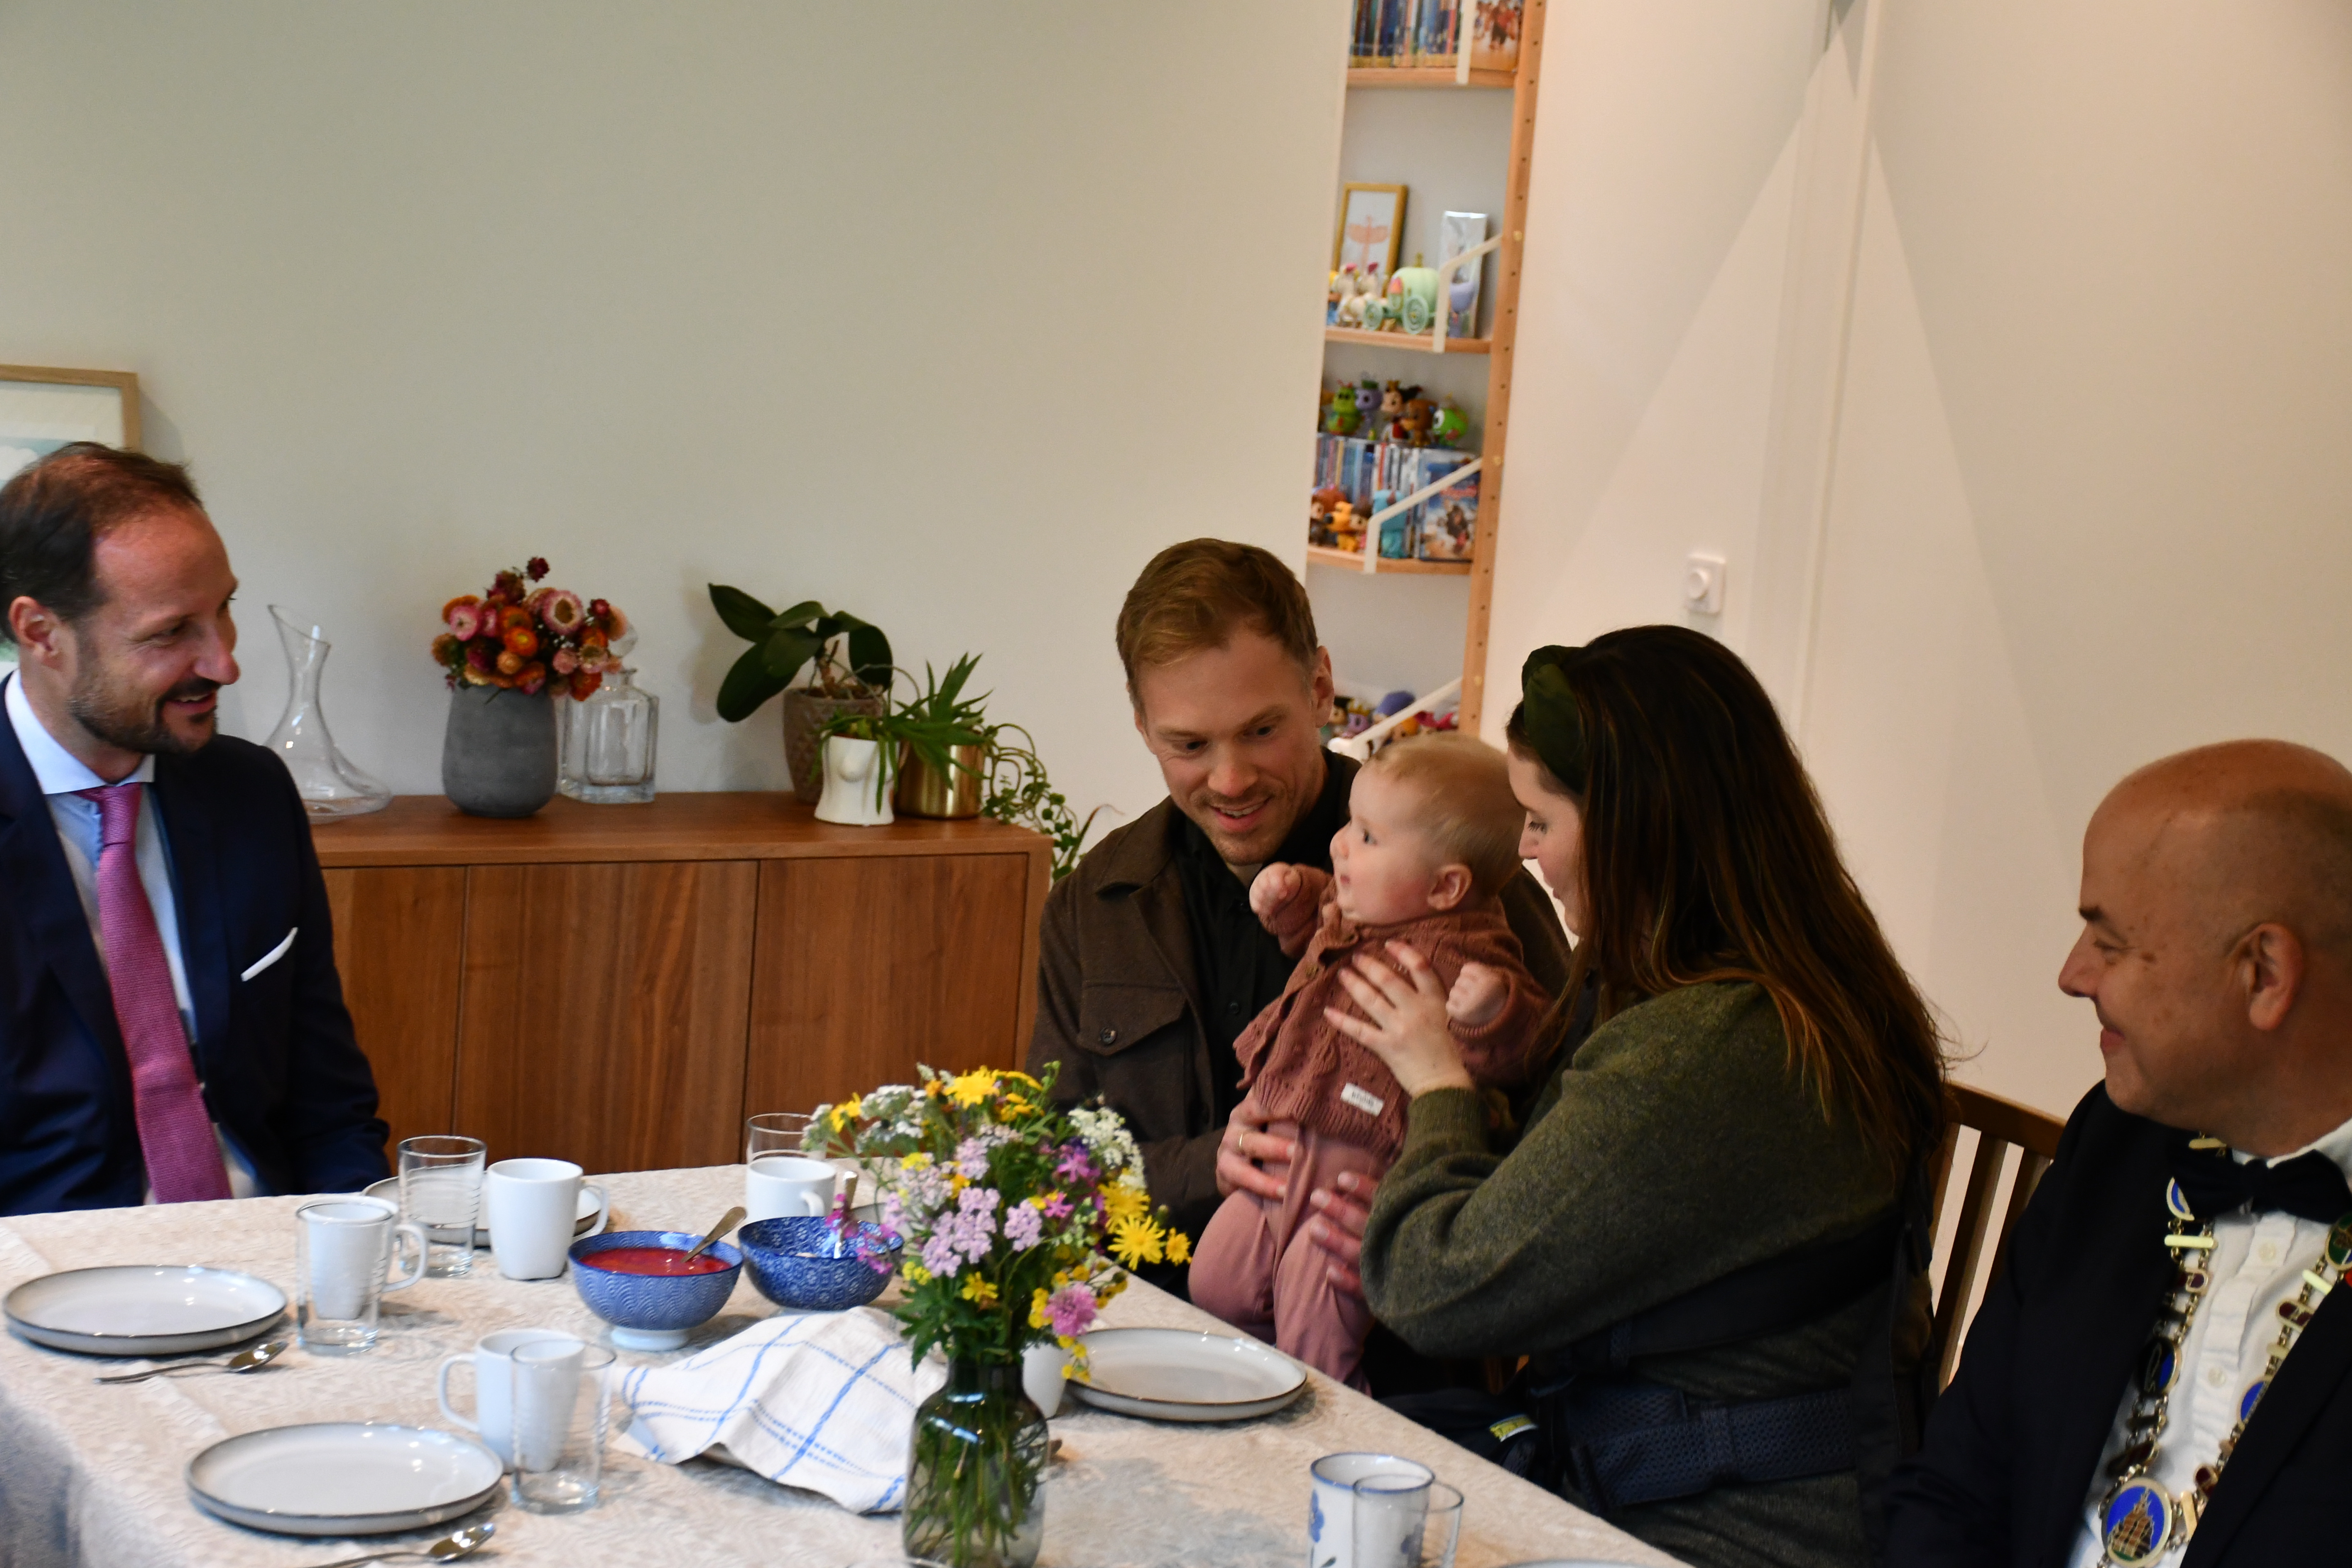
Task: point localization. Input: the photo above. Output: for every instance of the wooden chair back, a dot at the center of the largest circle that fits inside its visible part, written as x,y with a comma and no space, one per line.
1999,1124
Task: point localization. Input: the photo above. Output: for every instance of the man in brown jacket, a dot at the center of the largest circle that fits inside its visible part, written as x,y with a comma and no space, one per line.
1152,962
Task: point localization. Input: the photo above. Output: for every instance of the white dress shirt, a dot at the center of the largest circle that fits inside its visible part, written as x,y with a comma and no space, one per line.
2256,1263
61,775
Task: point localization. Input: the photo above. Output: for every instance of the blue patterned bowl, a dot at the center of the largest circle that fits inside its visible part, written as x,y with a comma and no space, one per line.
792,1264
652,1311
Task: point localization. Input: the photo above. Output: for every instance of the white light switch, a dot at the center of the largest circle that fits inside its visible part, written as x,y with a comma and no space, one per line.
1703,585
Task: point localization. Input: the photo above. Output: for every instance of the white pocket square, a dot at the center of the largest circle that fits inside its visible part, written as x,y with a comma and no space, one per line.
273,955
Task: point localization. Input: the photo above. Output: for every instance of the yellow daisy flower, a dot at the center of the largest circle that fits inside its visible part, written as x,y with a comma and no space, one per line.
1135,1242
915,1161
978,1291
1126,1203
1180,1247
971,1088
1038,1316
914,1273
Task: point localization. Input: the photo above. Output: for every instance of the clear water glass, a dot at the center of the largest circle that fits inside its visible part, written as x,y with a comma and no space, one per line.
1403,1522
441,1189
563,1393
774,1133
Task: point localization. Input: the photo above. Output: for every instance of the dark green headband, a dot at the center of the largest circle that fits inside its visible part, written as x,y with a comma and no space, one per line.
1555,727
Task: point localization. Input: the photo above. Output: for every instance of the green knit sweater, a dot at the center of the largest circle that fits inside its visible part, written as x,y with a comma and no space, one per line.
1678,1145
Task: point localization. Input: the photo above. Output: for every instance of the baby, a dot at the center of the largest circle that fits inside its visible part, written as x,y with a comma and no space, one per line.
1433,833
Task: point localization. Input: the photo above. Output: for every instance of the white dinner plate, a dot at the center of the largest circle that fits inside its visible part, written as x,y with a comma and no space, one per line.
585,1214
1176,1375
144,1309
342,1478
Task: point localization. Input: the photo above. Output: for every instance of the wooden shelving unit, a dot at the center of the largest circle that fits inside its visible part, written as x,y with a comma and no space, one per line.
1352,561
1428,76
1499,345
1412,343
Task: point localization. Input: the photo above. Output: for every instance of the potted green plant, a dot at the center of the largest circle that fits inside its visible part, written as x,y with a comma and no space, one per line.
783,644
938,733
952,762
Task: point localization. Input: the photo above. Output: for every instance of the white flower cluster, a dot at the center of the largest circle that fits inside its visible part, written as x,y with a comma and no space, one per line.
1108,1139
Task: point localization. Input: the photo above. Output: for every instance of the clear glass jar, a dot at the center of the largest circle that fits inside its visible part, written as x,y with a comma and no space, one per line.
608,743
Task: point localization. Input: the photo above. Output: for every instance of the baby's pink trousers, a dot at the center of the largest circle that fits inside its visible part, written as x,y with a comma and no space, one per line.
1257,1270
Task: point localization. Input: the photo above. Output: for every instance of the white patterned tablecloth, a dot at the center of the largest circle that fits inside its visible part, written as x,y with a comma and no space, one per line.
93,1475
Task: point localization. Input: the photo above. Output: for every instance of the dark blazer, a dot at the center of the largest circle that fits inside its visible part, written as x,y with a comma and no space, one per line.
282,1074
2011,1449
1118,999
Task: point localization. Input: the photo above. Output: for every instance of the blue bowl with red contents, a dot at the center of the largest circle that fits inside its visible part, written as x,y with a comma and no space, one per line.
638,1281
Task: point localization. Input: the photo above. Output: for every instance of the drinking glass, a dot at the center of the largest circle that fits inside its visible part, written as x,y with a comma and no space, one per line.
342,1253
1403,1521
562,1394
774,1133
441,1189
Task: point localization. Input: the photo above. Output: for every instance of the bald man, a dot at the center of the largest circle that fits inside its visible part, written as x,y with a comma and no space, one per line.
2163,1372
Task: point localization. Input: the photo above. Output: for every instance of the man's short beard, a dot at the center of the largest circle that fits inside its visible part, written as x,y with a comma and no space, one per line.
134,723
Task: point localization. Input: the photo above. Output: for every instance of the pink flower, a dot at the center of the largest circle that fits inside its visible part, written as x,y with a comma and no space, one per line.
1072,1308
464,621
566,661
563,611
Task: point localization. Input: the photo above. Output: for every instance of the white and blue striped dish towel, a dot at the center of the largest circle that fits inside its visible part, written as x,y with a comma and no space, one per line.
823,1401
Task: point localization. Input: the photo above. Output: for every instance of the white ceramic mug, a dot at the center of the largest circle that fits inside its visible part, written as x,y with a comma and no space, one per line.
344,1252
532,1206
786,1186
1331,1501
493,1363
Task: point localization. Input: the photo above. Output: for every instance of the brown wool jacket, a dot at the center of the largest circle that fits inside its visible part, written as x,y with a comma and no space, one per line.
1119,1001
1299,1067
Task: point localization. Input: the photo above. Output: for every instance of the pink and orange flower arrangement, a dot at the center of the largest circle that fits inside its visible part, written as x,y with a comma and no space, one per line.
528,638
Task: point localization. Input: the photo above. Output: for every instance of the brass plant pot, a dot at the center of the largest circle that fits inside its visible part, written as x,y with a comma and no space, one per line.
924,791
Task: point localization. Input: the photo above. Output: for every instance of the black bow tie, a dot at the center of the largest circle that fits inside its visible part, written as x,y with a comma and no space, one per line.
2309,1186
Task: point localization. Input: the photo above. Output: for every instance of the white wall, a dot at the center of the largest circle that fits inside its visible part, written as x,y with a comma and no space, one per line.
919,310
2007,357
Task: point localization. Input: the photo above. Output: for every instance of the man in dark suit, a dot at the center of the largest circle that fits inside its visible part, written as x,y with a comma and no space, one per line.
172,1027
2164,1369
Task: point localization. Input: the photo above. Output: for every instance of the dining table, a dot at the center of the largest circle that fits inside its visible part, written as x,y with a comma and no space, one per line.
95,1474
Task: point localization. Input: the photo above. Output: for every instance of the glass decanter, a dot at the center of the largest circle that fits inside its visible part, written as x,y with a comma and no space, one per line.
608,742
330,786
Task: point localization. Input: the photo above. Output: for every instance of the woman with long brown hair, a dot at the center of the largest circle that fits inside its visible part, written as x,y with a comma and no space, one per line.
1705,1238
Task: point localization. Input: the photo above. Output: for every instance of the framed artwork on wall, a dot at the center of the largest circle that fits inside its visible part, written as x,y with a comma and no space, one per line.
1371,226
42,409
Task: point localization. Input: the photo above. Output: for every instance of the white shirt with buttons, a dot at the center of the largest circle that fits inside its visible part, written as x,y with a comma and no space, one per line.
61,776
2256,1263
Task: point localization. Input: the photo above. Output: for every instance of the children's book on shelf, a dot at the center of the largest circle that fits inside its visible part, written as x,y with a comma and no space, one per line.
1371,476
1404,32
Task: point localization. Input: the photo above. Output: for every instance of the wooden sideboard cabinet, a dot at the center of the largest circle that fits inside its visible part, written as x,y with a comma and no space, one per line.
621,985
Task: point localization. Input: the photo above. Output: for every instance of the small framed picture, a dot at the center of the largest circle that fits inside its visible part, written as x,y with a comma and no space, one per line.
42,409
1371,226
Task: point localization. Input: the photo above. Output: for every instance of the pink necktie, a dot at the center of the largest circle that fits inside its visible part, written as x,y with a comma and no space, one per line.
184,1162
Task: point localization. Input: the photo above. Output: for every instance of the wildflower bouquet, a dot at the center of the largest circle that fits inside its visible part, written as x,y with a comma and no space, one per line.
1016,1216
529,639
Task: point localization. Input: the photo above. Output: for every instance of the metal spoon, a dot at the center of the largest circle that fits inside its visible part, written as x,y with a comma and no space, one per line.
727,1222
448,1549
252,1360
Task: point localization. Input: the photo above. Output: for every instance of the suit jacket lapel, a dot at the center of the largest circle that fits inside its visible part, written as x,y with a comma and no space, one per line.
197,890
2097,1349
2308,1381
42,892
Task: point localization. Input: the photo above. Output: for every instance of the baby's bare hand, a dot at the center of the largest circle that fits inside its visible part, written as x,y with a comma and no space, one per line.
1277,887
1477,998
1284,903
